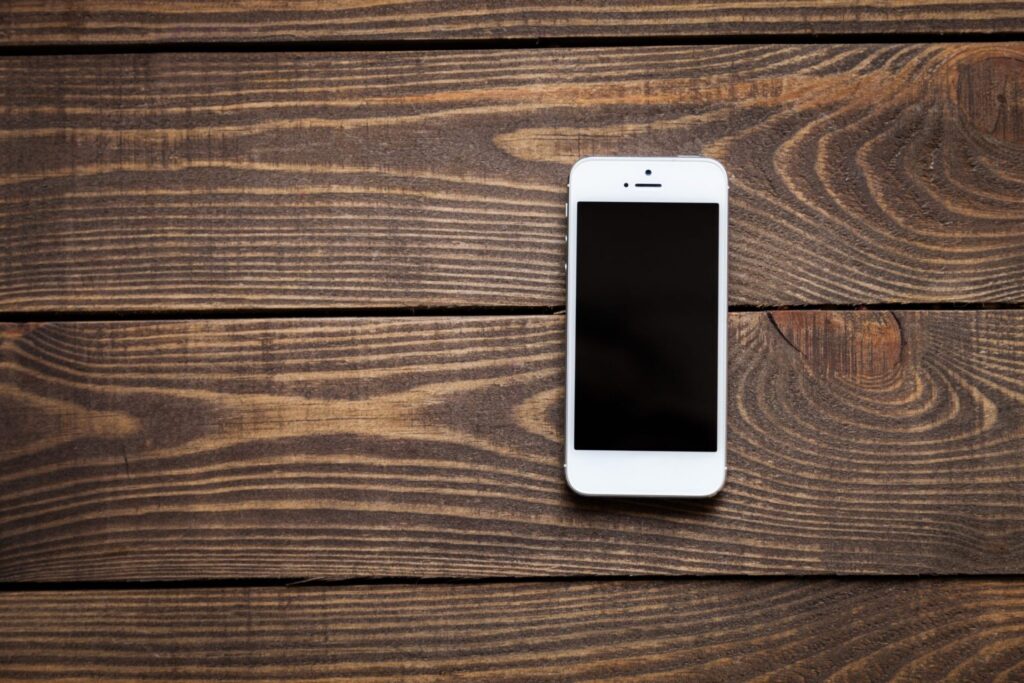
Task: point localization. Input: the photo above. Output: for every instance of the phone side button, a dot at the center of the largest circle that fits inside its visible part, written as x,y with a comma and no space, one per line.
567,209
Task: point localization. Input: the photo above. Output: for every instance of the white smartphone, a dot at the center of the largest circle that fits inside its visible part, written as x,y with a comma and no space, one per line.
647,315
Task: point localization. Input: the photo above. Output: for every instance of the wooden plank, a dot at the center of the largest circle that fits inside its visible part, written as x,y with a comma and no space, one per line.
860,442
57,22
714,630
860,174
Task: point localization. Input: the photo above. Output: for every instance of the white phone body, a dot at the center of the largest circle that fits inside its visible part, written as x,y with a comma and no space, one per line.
647,473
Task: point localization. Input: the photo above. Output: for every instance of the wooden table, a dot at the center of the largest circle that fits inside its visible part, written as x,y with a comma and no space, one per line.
281,359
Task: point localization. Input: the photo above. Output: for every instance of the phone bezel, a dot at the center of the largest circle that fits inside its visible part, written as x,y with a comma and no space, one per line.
647,473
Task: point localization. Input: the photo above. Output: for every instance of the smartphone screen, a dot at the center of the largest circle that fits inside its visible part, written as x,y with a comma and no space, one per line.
646,326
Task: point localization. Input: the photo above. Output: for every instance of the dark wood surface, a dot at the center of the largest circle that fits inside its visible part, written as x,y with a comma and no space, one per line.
859,442
383,182
31,22
702,630
169,182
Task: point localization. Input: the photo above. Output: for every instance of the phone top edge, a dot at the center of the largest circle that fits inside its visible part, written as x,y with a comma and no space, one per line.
683,158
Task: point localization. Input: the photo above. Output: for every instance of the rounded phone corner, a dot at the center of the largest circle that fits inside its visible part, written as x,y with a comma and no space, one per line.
574,486
718,165
717,488
580,162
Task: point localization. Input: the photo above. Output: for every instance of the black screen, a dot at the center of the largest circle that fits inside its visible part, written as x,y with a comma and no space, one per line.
646,326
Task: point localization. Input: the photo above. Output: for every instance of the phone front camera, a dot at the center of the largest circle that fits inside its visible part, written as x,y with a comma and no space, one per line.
647,172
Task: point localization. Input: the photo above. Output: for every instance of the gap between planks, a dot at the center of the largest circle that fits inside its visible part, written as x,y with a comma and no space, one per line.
21,317
293,582
455,44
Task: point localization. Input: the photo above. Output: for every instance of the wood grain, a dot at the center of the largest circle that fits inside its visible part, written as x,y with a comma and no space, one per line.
36,22
708,630
860,442
860,174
